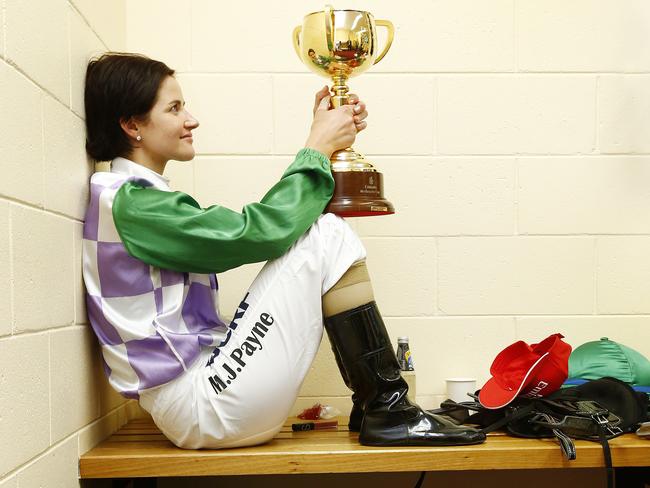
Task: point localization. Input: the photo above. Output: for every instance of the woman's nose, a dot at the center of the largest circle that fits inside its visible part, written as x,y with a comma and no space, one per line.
191,122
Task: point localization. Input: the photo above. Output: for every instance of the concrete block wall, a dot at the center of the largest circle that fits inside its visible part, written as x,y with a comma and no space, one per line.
513,136
54,401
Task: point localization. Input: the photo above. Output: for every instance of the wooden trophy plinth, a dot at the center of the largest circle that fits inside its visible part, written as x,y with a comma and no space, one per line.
359,194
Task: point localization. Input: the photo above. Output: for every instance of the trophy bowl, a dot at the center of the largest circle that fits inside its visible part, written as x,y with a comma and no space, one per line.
340,44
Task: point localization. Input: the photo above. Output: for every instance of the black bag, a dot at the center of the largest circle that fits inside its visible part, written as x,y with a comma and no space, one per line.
597,410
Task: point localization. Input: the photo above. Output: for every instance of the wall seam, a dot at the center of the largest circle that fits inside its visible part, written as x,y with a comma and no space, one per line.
437,309
516,196
69,17
83,17
596,265
517,325
12,279
43,89
43,156
17,470
49,383
75,298
436,115
274,142
515,38
27,333
31,206
114,412
4,29
597,117
436,282
191,60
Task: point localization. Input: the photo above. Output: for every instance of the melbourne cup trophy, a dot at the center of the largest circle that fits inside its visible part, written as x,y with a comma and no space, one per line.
340,44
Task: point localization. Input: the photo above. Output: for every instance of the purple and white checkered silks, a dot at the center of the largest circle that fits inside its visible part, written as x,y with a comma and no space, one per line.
151,323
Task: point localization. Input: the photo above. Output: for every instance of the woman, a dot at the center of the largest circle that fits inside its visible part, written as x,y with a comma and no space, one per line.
150,258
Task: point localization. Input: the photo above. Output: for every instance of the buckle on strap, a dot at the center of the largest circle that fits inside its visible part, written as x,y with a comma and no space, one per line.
566,443
603,417
605,423
589,418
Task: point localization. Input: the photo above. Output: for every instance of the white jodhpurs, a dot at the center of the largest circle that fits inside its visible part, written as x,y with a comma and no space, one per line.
241,392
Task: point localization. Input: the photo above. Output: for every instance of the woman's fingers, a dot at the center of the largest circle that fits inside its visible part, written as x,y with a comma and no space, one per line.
358,110
322,93
360,114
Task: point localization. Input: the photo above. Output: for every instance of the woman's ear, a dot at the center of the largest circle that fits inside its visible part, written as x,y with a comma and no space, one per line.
130,127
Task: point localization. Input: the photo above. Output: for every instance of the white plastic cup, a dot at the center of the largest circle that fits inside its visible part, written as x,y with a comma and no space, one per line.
409,377
458,388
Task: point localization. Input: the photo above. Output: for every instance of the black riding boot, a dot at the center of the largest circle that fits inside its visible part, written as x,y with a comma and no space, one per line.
369,363
356,415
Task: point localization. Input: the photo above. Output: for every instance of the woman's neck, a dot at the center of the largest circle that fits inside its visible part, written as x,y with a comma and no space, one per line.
139,156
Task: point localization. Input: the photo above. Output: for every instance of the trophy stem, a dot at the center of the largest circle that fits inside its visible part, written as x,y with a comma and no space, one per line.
345,159
340,89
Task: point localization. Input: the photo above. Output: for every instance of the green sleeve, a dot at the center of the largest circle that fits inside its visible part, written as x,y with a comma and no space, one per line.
171,231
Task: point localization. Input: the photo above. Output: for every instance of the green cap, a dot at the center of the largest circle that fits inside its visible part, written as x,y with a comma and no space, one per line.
598,359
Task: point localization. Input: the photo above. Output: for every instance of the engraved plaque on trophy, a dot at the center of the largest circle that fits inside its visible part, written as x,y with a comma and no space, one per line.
340,44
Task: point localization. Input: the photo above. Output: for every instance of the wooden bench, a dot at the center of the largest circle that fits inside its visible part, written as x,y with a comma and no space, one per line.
140,450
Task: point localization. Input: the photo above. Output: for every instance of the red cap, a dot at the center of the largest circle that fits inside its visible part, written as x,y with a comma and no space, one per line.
530,371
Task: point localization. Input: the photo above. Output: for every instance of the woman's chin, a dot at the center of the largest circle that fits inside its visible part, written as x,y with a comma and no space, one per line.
185,155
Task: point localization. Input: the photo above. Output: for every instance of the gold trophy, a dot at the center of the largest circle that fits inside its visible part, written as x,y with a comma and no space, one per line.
340,44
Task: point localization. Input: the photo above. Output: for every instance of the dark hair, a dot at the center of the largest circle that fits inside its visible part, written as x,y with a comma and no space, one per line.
118,86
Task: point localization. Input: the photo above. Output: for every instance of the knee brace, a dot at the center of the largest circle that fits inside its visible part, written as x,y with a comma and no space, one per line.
352,290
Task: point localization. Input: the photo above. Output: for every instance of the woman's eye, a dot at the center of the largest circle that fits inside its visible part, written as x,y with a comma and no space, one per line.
174,108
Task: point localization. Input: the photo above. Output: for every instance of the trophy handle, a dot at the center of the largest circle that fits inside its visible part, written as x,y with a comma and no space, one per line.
391,32
296,40
329,27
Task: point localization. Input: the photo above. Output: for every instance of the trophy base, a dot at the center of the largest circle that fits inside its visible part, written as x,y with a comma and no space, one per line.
359,194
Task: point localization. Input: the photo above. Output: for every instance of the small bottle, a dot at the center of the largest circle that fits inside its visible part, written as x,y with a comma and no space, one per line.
404,357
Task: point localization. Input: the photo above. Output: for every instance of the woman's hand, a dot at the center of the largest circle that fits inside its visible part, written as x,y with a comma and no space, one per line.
335,129
360,108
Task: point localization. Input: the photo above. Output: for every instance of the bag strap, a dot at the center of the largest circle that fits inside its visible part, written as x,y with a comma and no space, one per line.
603,428
566,443
602,438
514,414
420,479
